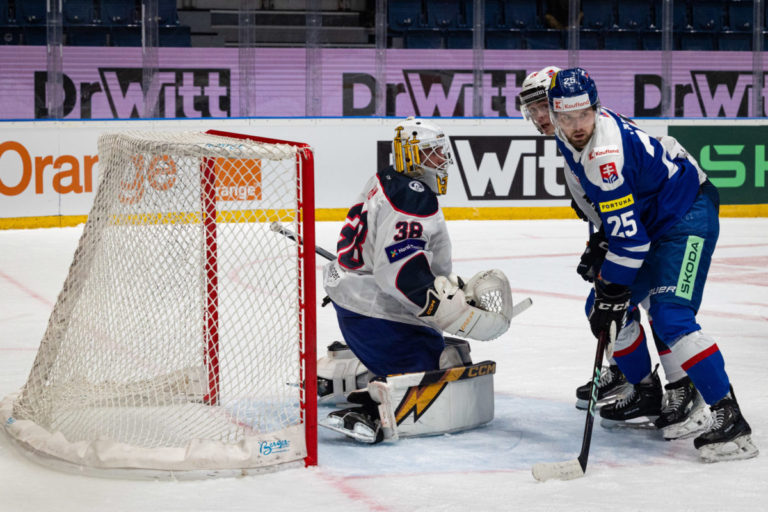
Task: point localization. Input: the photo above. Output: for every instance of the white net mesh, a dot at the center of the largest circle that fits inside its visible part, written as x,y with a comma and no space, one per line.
175,342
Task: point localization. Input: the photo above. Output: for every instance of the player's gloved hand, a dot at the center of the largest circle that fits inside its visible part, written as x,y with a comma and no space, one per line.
580,214
593,256
610,307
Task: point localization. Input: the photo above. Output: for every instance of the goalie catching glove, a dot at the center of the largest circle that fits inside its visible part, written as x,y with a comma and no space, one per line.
482,310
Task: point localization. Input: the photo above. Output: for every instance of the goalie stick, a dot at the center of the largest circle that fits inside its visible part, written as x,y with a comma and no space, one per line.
521,306
575,468
279,228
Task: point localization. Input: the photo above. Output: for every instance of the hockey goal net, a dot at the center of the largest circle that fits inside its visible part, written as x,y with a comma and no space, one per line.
183,339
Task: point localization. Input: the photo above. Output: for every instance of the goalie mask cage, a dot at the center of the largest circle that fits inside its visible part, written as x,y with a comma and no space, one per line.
182,344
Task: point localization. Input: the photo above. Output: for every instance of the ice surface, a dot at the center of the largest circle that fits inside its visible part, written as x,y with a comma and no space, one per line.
546,354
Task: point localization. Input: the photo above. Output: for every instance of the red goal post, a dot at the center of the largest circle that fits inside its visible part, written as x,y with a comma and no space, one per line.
305,186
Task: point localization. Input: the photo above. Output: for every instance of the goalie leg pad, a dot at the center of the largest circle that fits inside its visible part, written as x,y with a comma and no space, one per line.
435,402
339,373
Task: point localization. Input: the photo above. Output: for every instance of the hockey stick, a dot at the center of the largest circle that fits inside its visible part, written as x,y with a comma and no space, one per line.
279,228
575,468
521,306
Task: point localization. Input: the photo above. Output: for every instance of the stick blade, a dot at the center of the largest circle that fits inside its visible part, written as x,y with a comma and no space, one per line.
567,470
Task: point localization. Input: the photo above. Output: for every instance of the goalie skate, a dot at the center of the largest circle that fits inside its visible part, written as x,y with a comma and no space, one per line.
356,423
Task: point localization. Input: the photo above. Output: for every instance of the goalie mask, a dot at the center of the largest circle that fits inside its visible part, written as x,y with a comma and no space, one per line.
532,100
421,151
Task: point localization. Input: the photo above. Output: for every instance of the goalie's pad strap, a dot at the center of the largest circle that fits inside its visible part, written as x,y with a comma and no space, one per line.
436,402
455,353
345,371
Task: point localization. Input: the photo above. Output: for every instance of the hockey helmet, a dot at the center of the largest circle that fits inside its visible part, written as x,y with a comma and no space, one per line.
534,89
421,151
573,106
572,89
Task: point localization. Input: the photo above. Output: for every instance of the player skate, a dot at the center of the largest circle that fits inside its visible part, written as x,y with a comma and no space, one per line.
638,409
684,413
728,437
611,386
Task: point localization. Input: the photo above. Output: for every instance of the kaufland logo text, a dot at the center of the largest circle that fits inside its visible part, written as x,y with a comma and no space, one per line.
603,151
572,103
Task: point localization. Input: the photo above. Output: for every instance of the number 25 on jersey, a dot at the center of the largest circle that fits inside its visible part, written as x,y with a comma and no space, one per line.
622,225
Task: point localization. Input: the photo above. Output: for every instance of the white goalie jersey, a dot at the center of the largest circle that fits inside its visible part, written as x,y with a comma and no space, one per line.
393,244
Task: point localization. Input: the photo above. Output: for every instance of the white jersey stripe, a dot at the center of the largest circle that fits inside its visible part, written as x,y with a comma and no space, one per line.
638,248
623,261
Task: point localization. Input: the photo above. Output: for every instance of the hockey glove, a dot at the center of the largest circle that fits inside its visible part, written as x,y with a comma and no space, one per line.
447,310
593,256
610,307
580,214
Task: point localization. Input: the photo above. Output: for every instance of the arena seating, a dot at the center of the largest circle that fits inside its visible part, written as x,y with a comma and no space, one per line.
698,25
605,25
89,23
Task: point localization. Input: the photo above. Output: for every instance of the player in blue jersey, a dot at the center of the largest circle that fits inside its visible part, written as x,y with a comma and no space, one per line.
392,283
660,215
682,413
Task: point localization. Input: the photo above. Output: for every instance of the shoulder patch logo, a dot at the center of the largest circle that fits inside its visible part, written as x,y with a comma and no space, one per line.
609,173
617,204
405,248
416,186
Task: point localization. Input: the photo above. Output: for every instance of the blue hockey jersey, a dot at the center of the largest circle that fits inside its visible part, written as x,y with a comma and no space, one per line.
640,187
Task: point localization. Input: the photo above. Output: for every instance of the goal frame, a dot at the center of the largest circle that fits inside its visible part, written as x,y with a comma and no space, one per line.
35,428
307,274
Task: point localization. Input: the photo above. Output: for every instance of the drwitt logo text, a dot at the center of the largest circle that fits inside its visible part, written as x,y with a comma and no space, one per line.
177,92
